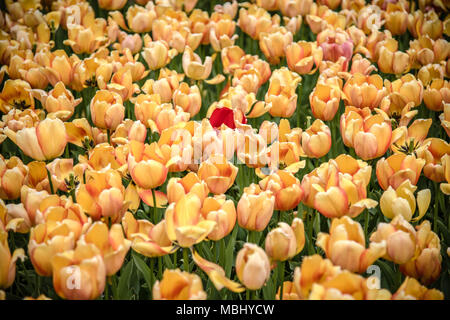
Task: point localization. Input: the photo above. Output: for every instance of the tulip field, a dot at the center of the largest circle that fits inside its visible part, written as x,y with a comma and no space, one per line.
194,149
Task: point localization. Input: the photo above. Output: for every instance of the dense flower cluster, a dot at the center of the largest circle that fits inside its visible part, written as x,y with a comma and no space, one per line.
183,149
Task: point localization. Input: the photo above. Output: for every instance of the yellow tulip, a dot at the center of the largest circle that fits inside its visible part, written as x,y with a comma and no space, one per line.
185,223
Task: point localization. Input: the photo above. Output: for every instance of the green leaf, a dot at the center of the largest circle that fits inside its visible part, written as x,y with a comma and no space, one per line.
124,282
144,269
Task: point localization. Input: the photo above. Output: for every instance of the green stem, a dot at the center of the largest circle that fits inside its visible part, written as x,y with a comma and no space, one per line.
108,133
247,294
50,181
185,259
281,267
155,208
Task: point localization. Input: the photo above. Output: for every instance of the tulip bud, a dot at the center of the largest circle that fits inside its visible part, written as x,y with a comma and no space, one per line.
252,266
284,242
221,211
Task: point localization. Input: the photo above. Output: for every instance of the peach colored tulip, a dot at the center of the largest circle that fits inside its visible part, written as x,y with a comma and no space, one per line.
111,4
79,274
218,173
252,266
412,289
139,19
396,18
437,94
364,91
400,238
193,66
274,43
338,187
107,110
12,177
147,239
59,102
398,168
221,211
157,54
324,100
102,195
255,20
8,261
345,245
426,265
302,56
282,92
369,134
111,243
47,140
316,140
188,98
255,208
16,94
47,240
284,242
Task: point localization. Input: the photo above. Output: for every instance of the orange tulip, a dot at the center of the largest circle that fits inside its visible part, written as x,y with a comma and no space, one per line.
292,8
364,91
285,188
179,285
111,4
139,19
16,94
